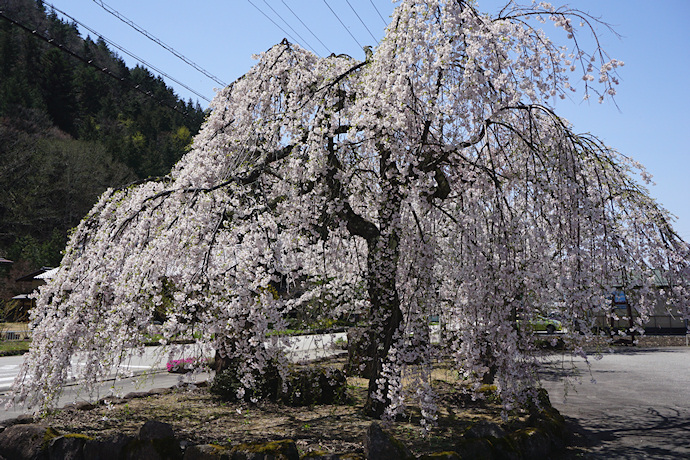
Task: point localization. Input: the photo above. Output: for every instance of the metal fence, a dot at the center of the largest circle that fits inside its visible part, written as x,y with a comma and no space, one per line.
14,335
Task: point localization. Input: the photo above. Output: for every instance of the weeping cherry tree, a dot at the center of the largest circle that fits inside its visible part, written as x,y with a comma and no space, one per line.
433,177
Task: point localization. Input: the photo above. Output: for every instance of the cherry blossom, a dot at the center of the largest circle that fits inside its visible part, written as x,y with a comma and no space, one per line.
433,178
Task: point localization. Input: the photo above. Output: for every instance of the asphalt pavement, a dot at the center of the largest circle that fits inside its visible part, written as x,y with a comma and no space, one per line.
631,404
150,370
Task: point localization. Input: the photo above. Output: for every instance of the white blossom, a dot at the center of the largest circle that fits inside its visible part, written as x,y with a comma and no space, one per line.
433,178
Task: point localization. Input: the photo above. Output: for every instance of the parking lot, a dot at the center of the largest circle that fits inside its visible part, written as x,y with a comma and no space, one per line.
633,403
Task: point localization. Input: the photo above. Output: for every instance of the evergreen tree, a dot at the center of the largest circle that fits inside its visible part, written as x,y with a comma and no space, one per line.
68,131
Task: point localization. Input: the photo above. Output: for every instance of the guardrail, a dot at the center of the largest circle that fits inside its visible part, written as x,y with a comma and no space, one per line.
14,335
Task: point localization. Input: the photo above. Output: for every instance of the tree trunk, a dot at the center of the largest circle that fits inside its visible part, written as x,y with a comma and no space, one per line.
385,319
382,264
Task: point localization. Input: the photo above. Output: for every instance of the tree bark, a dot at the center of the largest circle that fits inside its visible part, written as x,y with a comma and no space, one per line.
382,264
385,317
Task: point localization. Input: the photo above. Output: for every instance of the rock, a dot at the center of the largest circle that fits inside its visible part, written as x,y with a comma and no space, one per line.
274,450
485,429
531,443
81,405
379,445
156,441
7,423
154,429
153,449
135,395
325,456
475,448
25,441
111,449
206,452
441,456
320,456
69,447
229,381
543,402
159,391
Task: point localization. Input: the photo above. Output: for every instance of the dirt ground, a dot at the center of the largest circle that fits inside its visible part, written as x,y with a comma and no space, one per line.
198,417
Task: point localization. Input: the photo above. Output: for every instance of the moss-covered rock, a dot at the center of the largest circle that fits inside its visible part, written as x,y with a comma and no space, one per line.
69,446
207,452
153,449
484,429
381,445
107,449
156,440
273,450
26,441
530,443
477,448
318,455
540,435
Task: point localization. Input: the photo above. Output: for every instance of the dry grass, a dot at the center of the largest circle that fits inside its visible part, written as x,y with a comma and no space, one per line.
200,418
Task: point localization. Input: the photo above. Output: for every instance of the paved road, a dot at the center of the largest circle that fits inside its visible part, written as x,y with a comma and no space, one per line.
151,373
9,367
639,406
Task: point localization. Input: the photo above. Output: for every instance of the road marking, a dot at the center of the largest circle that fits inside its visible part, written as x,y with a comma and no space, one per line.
121,366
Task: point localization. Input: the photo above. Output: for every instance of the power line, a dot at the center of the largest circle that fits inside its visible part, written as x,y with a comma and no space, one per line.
360,20
307,27
286,23
139,29
129,53
90,63
275,23
342,24
379,13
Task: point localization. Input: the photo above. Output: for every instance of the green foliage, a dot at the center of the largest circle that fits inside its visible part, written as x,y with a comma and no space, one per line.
68,131
39,253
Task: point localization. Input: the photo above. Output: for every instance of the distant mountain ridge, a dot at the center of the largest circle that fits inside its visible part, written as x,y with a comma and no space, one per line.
68,131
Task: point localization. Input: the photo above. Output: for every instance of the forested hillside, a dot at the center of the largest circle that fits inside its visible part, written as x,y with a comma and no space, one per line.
69,130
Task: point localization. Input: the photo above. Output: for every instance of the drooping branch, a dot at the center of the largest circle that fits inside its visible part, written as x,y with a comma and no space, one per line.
356,224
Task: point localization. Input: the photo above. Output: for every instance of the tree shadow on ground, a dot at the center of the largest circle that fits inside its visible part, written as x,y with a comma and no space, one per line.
647,433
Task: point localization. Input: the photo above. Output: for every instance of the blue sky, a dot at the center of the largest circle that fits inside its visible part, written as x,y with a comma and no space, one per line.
650,123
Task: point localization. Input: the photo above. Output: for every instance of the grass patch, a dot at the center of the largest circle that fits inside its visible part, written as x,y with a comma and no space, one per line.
14,347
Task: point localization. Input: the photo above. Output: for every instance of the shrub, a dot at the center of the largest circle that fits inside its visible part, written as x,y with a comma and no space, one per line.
228,386
303,387
315,385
